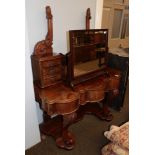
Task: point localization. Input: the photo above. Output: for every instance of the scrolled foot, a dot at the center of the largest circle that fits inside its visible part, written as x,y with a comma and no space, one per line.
67,141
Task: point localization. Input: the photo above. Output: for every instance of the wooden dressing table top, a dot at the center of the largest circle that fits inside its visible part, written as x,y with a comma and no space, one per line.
62,99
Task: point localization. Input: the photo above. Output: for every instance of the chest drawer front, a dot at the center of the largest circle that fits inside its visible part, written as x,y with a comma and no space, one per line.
51,63
52,70
49,80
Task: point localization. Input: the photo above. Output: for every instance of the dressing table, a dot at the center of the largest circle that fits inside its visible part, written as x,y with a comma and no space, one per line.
72,85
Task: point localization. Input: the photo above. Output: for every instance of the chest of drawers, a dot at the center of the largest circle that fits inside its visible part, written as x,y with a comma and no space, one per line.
47,70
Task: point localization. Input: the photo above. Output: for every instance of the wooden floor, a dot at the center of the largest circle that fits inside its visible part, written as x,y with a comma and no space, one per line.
88,132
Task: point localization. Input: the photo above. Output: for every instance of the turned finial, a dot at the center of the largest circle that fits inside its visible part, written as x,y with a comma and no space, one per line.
88,17
48,12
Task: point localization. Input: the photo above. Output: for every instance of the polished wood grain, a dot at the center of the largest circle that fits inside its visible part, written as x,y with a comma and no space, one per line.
47,69
61,99
58,129
61,94
73,104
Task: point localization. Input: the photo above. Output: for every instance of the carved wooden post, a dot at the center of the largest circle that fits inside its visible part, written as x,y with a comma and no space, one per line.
49,17
45,46
88,17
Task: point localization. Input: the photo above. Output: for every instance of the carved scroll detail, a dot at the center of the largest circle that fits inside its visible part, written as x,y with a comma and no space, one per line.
45,46
88,17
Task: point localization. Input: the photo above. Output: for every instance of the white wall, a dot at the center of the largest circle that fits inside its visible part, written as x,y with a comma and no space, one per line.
67,15
32,135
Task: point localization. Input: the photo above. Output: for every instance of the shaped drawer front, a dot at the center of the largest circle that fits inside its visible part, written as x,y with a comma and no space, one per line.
51,63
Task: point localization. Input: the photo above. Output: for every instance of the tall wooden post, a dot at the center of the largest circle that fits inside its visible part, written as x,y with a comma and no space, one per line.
88,17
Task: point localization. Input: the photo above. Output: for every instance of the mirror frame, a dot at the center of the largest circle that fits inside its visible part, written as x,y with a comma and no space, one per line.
72,80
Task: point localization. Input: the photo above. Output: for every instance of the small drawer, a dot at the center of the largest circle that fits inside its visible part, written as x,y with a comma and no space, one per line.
52,71
55,76
51,63
47,80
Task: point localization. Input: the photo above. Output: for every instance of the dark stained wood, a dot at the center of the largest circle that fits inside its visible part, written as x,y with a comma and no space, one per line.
102,112
122,63
73,104
88,17
59,93
67,139
58,99
61,99
47,69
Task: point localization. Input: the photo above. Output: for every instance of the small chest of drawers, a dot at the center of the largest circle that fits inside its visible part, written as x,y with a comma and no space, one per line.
47,70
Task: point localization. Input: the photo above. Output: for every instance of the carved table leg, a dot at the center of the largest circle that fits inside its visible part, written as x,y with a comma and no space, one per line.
57,127
106,114
66,139
102,113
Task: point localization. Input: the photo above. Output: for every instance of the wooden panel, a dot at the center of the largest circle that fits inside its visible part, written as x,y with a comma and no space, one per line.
119,1
47,70
106,18
52,70
116,28
50,79
113,20
51,63
61,99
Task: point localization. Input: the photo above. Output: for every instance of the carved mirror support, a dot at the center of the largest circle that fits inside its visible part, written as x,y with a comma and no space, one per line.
45,46
88,17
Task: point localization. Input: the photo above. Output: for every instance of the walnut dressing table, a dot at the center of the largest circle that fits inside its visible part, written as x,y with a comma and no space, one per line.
60,92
